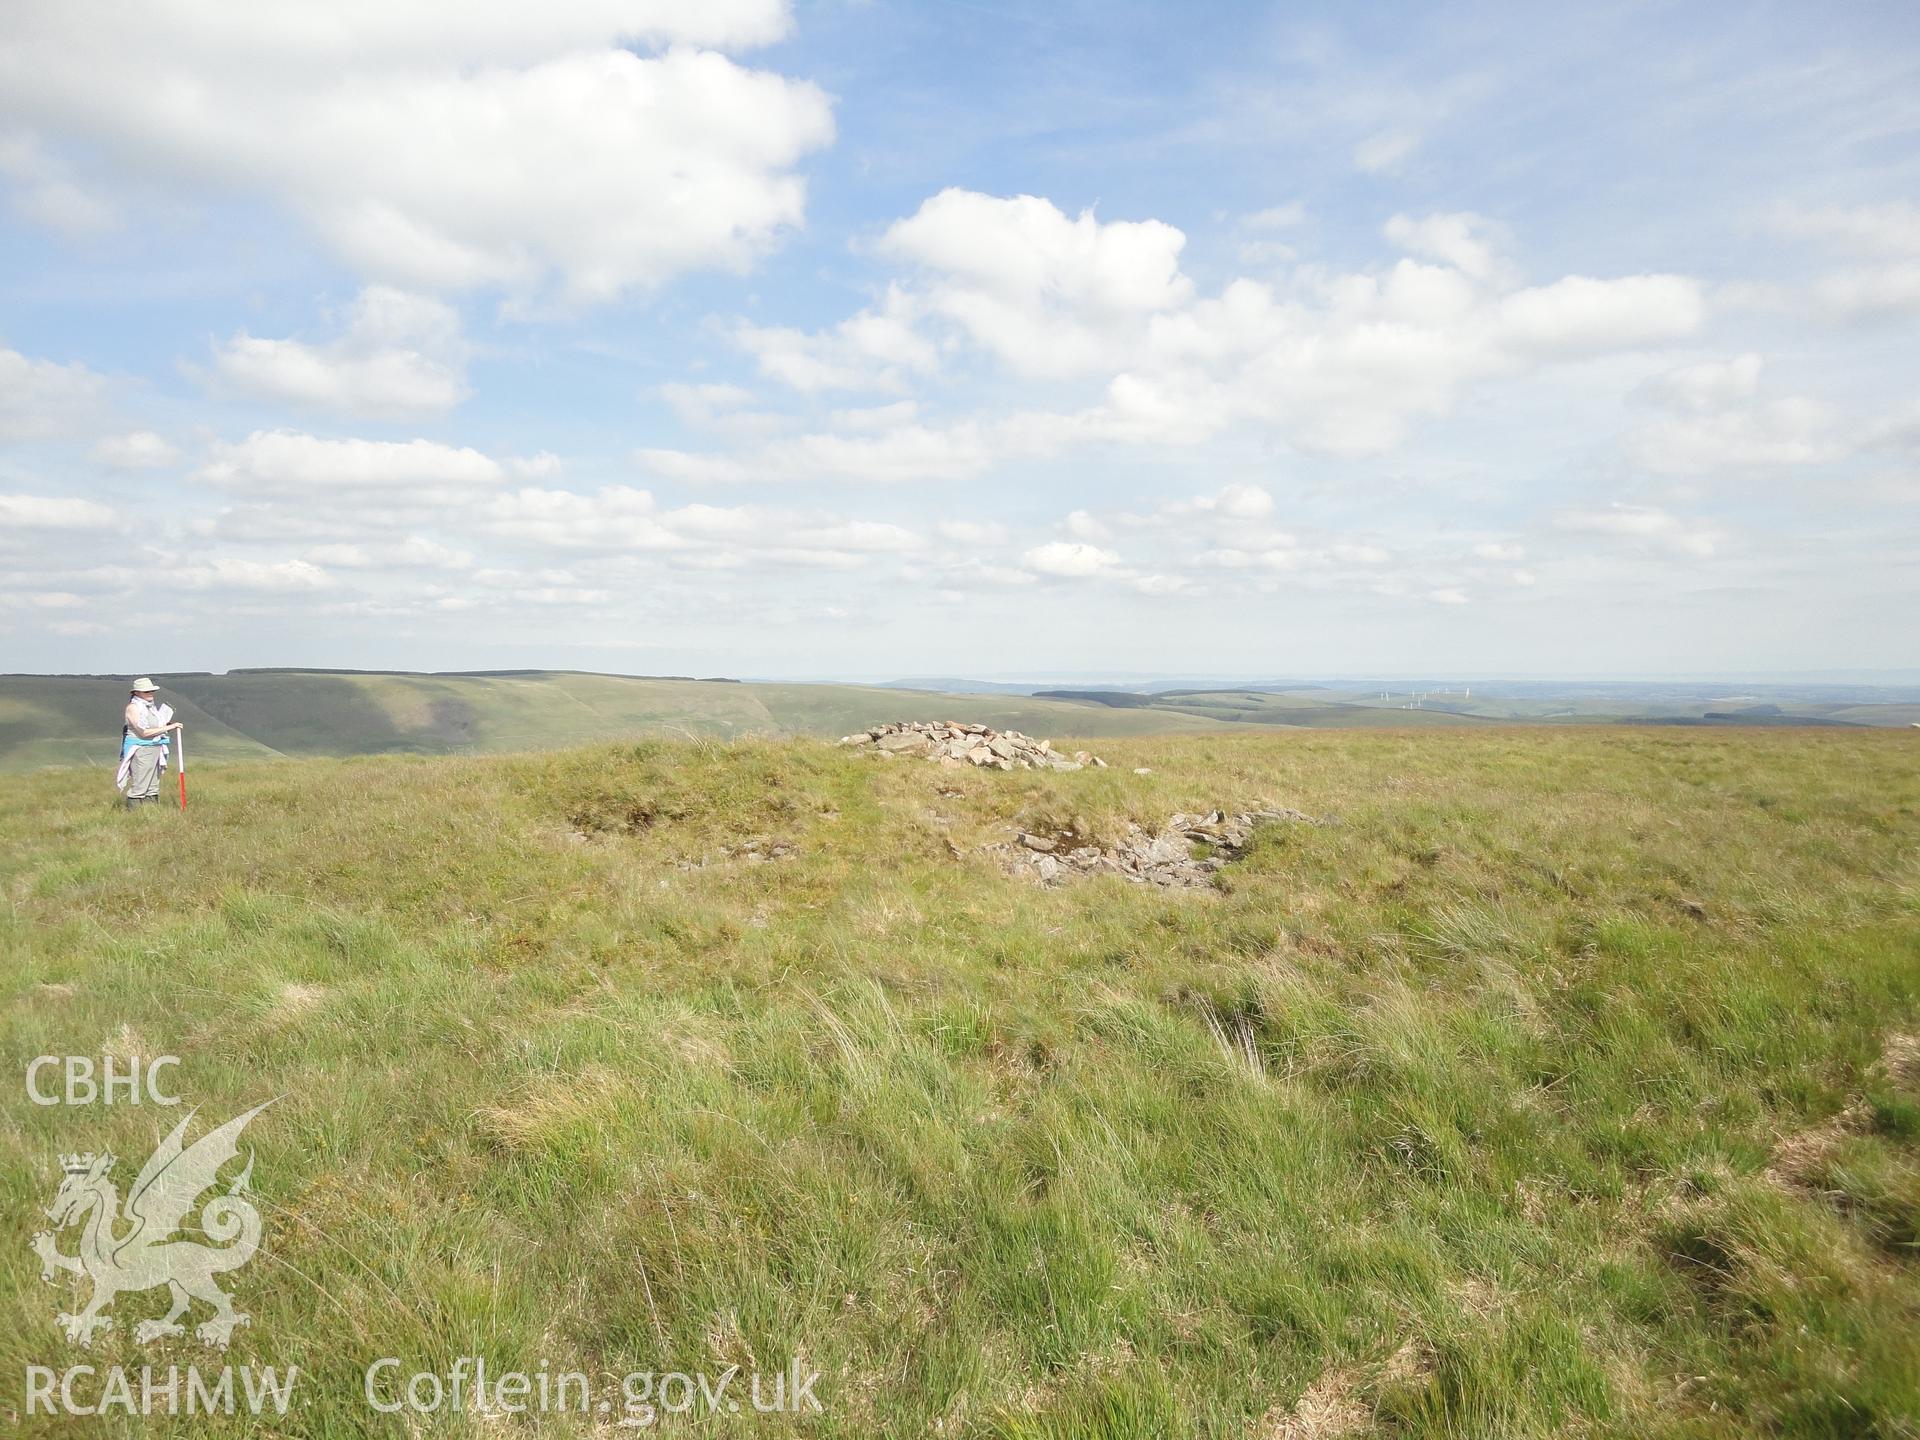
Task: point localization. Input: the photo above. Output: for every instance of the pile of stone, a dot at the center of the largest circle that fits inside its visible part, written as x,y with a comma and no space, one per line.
1166,859
953,744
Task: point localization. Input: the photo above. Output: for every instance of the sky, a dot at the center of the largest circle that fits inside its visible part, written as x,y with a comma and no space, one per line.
834,339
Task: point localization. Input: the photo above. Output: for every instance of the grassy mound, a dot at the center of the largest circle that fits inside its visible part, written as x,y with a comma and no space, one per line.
1567,1085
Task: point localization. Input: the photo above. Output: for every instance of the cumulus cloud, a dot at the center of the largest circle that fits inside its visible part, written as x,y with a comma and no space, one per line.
42,399
1069,559
876,349
1860,294
1334,363
623,520
903,453
1888,236
1470,243
702,405
1384,152
1786,432
485,145
288,463
1032,285
400,356
1641,526
1713,416
1712,385
231,573
618,517
44,190
1583,315
973,532
46,512
1275,217
1084,526
1892,229
140,450
413,553
1237,501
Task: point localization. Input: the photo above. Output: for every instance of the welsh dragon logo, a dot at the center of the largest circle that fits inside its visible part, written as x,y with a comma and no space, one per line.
140,1248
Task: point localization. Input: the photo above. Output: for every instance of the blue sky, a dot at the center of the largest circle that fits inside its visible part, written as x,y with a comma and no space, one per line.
871,339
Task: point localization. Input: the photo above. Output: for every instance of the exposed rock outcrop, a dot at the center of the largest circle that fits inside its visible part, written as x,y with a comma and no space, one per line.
1167,859
954,743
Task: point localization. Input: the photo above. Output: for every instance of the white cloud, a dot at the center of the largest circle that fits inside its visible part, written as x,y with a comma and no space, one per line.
868,419
1160,584
544,465
41,399
1791,431
1381,153
616,518
1447,597
45,191
1275,217
400,356
1892,229
619,520
1069,559
288,463
904,453
973,532
1889,233
1335,363
1352,553
872,536
269,576
141,450
1238,501
1036,288
702,405
1582,315
1470,243
974,574
1083,526
1713,385
1639,525
876,349
490,144
1861,294
1713,416
45,512
413,553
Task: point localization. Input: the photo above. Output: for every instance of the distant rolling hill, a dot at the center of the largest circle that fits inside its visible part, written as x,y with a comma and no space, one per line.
1324,708
1266,707
254,714
75,720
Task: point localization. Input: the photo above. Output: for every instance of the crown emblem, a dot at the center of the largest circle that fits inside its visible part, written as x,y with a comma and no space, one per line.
83,1164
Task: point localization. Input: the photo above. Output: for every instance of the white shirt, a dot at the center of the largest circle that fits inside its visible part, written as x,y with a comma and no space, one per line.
143,715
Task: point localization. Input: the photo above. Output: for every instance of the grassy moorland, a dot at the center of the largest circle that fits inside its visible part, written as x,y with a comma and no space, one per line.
75,720
1569,1085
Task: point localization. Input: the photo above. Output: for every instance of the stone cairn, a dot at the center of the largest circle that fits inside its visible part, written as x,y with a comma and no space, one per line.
952,744
1166,859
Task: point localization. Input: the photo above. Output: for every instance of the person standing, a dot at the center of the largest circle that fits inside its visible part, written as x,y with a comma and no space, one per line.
144,734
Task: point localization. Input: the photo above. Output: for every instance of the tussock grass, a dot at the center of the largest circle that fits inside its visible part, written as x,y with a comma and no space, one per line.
1568,1085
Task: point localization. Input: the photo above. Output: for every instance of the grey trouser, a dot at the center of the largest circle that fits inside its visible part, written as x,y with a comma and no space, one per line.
143,774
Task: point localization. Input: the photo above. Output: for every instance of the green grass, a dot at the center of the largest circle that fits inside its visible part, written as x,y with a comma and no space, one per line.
1567,1086
53,720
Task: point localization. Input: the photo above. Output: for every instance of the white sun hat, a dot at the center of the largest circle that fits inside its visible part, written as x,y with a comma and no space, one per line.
145,682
